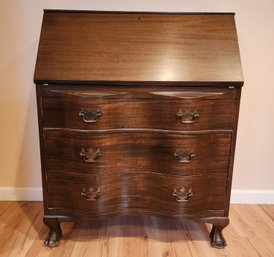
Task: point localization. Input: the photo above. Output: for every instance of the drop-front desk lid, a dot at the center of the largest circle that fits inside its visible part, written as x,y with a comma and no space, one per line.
129,47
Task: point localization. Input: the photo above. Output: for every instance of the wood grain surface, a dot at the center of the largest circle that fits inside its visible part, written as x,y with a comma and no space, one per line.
135,192
250,233
138,47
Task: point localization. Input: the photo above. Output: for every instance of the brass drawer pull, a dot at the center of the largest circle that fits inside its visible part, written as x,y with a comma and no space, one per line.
91,194
90,155
184,156
90,116
182,195
187,116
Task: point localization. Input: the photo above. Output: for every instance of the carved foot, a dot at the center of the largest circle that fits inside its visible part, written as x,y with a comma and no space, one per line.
55,232
217,238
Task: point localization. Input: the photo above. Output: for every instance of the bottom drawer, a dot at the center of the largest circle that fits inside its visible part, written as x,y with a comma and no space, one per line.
150,192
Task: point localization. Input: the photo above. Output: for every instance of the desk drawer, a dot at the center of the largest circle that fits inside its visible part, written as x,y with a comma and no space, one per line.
159,193
171,110
171,153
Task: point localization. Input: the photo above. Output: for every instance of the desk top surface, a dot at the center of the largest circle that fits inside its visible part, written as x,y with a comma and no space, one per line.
129,47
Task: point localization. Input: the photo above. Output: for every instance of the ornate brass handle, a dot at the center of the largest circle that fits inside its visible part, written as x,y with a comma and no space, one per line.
182,195
187,116
90,116
91,194
90,155
184,156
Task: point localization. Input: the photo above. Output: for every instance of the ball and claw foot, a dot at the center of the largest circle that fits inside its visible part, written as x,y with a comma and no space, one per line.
55,233
52,239
217,238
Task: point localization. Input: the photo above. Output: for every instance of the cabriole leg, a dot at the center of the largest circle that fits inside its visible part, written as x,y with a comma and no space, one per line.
55,232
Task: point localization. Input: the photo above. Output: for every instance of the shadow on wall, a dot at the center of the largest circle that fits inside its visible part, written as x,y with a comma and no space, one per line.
28,166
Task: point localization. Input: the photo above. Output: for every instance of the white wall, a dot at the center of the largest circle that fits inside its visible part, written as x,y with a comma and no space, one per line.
20,23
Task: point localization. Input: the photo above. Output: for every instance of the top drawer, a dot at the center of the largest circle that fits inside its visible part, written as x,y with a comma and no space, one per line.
102,108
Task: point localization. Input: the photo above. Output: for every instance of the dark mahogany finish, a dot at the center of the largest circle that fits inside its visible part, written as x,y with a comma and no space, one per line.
138,47
138,115
131,190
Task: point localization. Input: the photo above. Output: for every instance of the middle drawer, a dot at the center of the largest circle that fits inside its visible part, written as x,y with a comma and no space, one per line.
162,152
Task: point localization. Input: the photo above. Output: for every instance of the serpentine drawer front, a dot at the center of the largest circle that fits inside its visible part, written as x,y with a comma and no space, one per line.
157,193
172,110
134,151
137,116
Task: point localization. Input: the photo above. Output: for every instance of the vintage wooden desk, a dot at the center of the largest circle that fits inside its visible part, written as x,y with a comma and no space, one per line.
138,115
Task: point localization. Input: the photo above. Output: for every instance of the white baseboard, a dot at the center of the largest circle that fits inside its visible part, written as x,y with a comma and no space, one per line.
238,196
241,196
21,194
